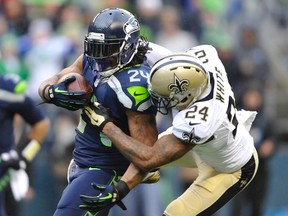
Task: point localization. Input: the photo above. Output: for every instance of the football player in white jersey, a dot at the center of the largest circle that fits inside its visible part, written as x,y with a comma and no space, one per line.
208,132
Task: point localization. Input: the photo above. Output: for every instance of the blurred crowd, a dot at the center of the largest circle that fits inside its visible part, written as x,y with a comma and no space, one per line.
38,38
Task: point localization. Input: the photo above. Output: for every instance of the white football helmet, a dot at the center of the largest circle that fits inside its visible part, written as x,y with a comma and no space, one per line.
177,80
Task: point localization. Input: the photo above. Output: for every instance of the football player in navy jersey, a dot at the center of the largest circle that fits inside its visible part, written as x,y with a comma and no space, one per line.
13,102
116,64
207,133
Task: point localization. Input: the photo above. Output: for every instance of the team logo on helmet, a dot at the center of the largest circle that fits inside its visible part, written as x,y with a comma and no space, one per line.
191,137
131,26
179,85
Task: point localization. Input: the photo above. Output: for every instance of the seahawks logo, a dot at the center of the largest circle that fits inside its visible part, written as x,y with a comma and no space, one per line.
191,137
178,86
131,26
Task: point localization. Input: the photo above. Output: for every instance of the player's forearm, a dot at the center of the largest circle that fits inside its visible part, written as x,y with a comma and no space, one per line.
36,136
39,130
43,90
165,150
133,176
76,67
138,153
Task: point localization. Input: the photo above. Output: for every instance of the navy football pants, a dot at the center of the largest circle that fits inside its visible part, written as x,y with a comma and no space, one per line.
80,180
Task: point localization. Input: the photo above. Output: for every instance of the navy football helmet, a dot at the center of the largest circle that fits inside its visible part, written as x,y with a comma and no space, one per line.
112,40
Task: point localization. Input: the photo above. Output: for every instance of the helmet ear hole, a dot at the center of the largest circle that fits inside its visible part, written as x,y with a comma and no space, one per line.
184,100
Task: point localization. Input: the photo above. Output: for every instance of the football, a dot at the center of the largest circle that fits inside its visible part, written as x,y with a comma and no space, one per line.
79,84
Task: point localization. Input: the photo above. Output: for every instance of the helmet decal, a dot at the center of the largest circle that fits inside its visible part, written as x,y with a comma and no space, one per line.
131,26
178,86
96,36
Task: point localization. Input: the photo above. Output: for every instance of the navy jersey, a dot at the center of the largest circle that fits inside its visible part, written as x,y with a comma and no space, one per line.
14,101
126,89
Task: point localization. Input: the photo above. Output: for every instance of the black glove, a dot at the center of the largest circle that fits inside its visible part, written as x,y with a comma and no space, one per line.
99,115
11,160
60,96
108,195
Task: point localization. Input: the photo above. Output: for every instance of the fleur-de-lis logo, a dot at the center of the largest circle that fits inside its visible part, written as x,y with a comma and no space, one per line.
179,85
191,137
243,183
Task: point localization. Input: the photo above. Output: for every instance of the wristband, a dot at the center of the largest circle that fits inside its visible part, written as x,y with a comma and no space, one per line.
122,189
102,125
30,151
43,93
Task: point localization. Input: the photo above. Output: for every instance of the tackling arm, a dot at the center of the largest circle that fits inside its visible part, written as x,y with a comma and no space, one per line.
146,157
167,149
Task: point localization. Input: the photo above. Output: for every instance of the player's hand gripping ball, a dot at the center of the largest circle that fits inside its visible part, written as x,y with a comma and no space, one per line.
72,92
79,84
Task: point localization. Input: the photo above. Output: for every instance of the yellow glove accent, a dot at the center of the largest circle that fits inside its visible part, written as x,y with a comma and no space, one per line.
30,151
95,119
151,177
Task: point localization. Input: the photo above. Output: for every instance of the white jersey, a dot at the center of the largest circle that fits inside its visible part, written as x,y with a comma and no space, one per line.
220,132
157,52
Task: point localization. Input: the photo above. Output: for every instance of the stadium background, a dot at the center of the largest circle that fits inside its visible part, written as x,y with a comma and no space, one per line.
38,38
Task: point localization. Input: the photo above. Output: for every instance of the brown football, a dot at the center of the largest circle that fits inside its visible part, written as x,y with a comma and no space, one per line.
79,84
